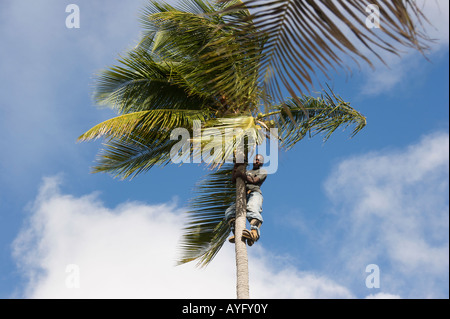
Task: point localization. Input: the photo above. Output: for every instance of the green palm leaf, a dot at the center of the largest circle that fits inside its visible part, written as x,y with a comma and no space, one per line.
127,157
205,230
309,36
210,55
138,141
221,137
140,83
146,124
324,115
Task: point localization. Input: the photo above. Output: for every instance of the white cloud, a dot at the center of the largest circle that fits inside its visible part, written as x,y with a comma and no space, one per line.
129,252
382,295
393,209
437,12
284,281
385,78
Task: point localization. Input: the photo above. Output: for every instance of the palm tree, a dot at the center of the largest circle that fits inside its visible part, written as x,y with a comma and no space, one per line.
168,83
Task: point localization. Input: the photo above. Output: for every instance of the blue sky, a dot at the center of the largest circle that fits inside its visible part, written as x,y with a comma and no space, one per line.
330,210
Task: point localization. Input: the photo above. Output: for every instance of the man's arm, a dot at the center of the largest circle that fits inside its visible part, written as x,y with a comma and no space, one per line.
252,179
245,177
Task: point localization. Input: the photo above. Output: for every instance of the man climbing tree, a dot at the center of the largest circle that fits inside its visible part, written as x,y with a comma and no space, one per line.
253,180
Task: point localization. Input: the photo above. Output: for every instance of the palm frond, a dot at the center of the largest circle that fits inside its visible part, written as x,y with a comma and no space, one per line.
127,157
220,138
306,114
138,141
140,83
210,55
145,124
306,36
205,230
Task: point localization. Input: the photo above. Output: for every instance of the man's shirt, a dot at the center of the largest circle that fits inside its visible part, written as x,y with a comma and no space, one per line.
262,174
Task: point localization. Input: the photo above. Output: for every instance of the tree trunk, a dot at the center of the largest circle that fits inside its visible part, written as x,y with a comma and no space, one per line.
242,286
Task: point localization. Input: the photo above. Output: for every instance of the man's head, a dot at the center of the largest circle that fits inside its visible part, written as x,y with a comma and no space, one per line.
258,161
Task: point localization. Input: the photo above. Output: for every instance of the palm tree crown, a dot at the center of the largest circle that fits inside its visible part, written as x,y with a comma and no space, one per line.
192,67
